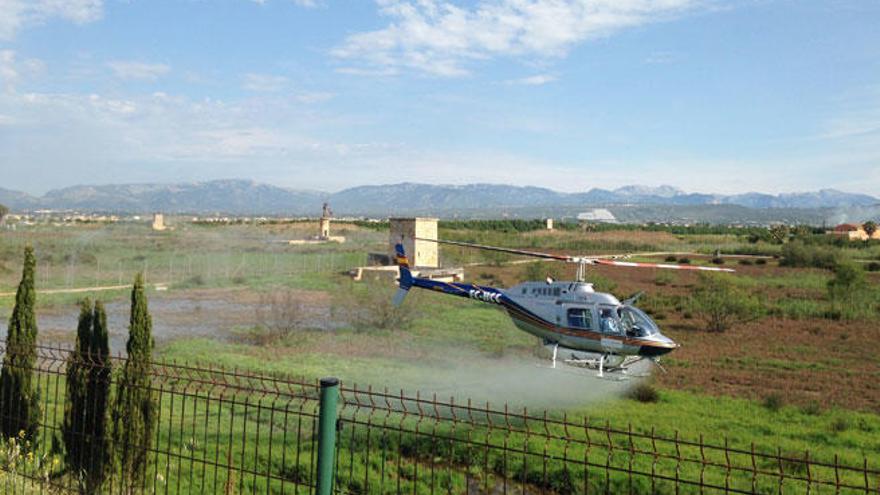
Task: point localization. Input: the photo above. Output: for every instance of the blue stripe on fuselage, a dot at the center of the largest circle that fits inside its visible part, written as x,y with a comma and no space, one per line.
478,292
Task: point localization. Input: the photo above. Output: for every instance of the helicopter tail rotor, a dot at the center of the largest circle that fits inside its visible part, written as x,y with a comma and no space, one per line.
406,278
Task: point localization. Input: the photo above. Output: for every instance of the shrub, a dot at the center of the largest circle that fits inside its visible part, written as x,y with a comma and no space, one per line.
873,266
812,408
367,306
760,261
779,233
745,262
194,281
602,284
540,271
664,277
671,259
721,304
849,293
718,260
839,425
643,392
773,402
684,261
797,254
279,314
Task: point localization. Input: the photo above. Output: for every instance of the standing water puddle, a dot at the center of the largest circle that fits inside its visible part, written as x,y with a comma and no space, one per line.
209,314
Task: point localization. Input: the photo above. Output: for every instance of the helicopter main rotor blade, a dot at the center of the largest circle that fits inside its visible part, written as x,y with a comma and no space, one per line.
589,260
634,264
521,252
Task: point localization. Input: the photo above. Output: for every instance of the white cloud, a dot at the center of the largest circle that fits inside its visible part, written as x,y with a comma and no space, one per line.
264,82
134,70
268,83
80,131
661,57
314,97
53,140
16,15
355,71
309,4
536,80
13,69
852,127
156,136
440,38
8,73
861,121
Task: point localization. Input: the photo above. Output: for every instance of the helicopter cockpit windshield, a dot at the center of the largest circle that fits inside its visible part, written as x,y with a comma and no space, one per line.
636,323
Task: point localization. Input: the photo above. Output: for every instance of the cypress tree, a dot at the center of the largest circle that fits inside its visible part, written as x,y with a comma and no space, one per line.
134,411
73,430
19,397
98,398
84,431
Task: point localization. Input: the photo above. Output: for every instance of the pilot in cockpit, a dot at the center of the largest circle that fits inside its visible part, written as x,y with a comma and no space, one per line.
608,321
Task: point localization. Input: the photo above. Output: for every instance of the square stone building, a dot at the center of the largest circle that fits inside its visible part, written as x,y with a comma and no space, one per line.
421,254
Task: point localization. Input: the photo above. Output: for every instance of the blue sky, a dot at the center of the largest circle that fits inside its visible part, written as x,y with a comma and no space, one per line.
709,96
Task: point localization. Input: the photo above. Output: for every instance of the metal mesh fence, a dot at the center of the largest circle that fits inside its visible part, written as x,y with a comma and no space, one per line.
228,431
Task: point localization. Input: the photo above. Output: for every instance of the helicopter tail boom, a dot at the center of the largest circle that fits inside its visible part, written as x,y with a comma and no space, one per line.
408,281
406,278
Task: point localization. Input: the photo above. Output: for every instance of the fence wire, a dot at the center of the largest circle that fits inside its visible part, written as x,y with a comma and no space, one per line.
231,431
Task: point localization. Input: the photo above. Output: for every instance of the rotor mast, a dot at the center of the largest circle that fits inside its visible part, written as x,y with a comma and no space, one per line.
581,275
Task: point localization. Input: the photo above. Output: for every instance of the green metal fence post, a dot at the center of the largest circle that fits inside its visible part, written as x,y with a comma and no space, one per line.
327,435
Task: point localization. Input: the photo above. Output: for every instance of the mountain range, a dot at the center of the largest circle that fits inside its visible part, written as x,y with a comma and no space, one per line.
248,197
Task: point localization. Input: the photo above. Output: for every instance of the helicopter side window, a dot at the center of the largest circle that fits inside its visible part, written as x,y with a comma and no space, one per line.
580,318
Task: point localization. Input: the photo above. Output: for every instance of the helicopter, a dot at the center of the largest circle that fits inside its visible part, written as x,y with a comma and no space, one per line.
570,317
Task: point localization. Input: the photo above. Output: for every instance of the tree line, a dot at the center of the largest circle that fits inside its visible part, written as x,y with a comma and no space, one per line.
102,431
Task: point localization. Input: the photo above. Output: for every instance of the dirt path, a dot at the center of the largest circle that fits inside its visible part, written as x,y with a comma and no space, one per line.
77,290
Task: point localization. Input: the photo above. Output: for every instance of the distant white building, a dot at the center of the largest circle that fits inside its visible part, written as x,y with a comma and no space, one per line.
159,222
597,215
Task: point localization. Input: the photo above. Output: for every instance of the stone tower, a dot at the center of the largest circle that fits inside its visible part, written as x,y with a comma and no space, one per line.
421,254
158,221
326,214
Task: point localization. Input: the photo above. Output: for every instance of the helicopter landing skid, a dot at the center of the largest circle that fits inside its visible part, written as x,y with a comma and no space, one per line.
603,366
608,363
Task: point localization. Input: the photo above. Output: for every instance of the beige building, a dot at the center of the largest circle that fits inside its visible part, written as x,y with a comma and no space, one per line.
421,254
853,232
159,222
